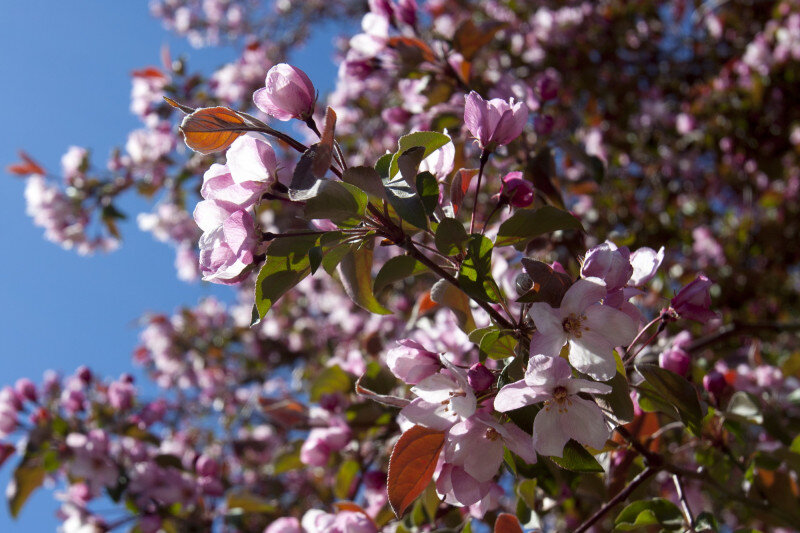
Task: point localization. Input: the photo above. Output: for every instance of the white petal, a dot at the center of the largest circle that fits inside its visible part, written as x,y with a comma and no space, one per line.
435,388
517,441
547,319
548,344
516,395
581,295
427,414
484,464
617,327
584,422
548,436
576,385
592,354
543,370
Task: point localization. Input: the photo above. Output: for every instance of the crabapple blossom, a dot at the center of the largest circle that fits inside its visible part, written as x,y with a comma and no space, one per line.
443,399
479,377
645,262
287,94
494,122
412,362
590,329
564,415
228,241
694,300
517,190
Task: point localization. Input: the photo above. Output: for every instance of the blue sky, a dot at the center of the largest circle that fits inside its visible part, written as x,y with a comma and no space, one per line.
65,69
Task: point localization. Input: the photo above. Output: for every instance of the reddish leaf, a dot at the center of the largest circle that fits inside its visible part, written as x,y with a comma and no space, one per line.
460,186
149,72
285,412
411,466
507,523
411,51
6,451
28,166
353,508
324,153
212,129
469,37
177,105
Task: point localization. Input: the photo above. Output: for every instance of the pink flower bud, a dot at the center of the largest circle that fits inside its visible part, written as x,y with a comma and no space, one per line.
206,466
694,300
518,191
479,377
609,263
287,93
674,359
411,362
494,122
714,382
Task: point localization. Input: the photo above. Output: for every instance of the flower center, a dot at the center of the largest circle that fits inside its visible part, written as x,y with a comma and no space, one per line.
573,325
560,394
492,434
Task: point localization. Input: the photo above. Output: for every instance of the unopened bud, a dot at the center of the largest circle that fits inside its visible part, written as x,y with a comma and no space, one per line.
479,377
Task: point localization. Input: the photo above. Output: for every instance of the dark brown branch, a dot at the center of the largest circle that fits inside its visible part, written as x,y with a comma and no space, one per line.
643,476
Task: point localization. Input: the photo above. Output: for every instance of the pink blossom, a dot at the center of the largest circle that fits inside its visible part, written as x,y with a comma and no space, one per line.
609,263
675,359
120,394
26,389
517,190
287,94
321,442
412,362
228,241
457,487
694,300
645,263
591,330
287,524
565,415
494,122
442,400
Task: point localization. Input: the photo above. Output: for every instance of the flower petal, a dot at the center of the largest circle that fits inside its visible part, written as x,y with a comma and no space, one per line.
516,395
584,422
547,319
592,354
544,370
548,436
548,344
581,295
617,327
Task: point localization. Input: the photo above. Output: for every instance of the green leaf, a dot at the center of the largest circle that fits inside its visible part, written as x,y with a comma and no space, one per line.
706,521
315,256
450,296
344,479
475,274
355,271
430,141
246,502
525,224
743,407
28,476
677,391
382,166
286,265
332,380
378,378
405,201
450,236
342,203
577,459
617,404
367,179
397,268
428,190
334,256
658,511
498,344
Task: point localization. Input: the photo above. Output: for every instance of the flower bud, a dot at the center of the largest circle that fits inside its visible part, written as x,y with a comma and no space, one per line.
494,122
694,300
675,360
287,93
714,382
517,190
479,377
523,283
84,374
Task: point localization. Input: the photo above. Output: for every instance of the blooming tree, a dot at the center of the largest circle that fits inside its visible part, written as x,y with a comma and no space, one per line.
518,270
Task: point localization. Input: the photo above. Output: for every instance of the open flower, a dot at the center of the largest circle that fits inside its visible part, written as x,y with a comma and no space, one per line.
494,122
591,330
564,415
694,300
442,400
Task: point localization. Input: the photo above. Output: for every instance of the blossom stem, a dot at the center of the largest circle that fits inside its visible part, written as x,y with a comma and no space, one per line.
412,250
643,476
629,356
489,218
684,502
484,158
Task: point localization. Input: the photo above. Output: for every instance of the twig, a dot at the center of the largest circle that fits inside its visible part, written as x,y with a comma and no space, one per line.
684,502
484,159
737,328
643,476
